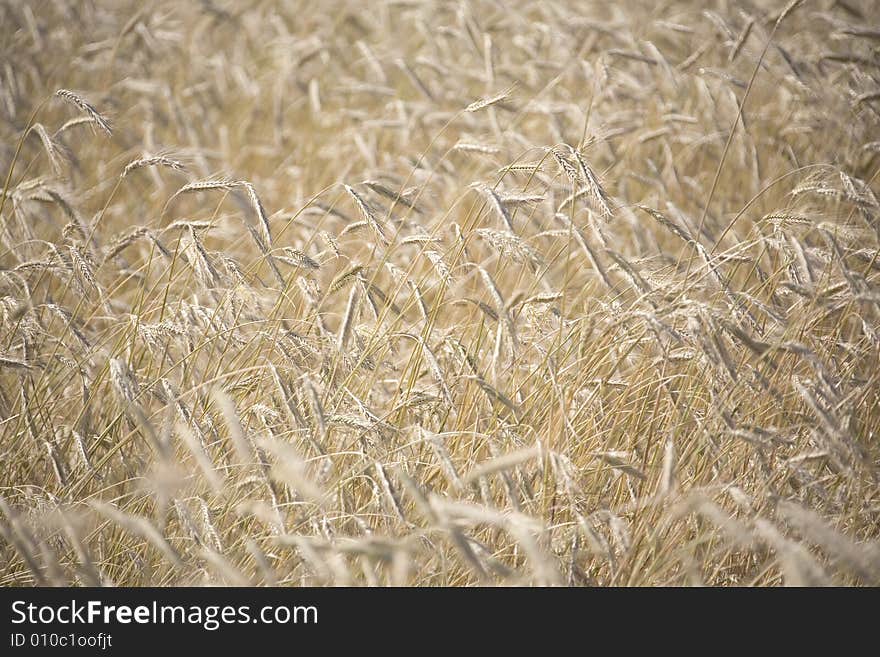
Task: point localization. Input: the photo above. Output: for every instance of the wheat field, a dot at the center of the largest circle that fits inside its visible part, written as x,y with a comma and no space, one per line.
440,293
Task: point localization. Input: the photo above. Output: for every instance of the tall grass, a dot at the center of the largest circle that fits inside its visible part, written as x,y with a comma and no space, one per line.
439,294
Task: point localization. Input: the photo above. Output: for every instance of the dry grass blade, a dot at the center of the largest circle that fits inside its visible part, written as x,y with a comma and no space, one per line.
140,527
502,463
